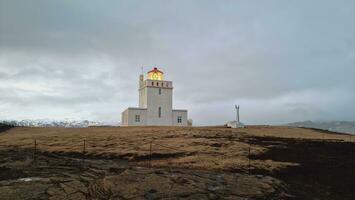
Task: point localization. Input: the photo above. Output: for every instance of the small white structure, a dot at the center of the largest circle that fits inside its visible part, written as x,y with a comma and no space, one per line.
237,123
155,104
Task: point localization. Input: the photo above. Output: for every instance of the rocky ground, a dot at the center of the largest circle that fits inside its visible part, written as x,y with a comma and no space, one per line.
59,177
185,163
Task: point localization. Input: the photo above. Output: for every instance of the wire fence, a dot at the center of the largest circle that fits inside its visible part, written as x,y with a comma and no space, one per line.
84,146
82,149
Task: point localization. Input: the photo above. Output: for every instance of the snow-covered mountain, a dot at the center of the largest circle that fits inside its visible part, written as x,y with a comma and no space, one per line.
69,123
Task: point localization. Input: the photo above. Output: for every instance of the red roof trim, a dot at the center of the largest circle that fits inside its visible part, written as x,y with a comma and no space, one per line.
156,70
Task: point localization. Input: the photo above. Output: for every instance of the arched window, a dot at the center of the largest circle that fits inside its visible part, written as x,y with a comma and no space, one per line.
159,112
152,83
157,83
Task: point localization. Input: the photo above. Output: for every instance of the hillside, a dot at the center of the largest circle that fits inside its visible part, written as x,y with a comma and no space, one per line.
193,163
336,126
4,127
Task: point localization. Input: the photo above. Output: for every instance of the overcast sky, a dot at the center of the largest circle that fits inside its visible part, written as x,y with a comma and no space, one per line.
282,61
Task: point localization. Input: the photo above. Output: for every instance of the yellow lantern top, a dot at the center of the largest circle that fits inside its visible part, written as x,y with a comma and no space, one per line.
156,74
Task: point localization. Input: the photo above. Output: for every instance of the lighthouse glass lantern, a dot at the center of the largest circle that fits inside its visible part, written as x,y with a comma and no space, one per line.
156,74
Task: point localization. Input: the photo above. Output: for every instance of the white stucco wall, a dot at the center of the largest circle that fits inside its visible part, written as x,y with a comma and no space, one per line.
124,118
129,117
183,114
156,100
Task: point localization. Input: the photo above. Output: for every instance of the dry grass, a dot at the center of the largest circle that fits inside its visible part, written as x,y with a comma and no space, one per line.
204,148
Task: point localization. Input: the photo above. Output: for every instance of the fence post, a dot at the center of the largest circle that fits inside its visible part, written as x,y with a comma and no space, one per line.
34,152
150,155
84,146
83,154
249,159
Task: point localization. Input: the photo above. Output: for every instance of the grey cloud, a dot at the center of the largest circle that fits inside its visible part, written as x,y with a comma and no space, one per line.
87,56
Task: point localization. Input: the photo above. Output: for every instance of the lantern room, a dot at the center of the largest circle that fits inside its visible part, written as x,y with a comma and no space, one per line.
156,74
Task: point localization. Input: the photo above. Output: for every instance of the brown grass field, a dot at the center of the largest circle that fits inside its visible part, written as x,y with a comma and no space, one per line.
312,164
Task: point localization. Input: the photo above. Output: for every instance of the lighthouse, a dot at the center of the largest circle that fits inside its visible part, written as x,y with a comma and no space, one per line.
155,103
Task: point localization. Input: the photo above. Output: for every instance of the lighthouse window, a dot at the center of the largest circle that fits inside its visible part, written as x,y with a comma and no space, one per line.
138,118
159,112
179,119
159,91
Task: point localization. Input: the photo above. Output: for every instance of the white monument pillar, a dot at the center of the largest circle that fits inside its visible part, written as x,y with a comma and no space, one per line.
237,110
236,123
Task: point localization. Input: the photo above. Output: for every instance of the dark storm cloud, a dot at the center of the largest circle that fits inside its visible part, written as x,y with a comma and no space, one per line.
282,61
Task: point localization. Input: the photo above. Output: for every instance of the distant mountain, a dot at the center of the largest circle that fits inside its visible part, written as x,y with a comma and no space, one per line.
52,123
335,126
4,127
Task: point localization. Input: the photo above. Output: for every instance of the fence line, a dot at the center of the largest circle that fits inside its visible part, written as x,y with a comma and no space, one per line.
34,152
152,144
150,154
249,158
83,154
84,150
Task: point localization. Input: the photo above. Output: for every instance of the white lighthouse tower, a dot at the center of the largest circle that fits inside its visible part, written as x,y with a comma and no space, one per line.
155,103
